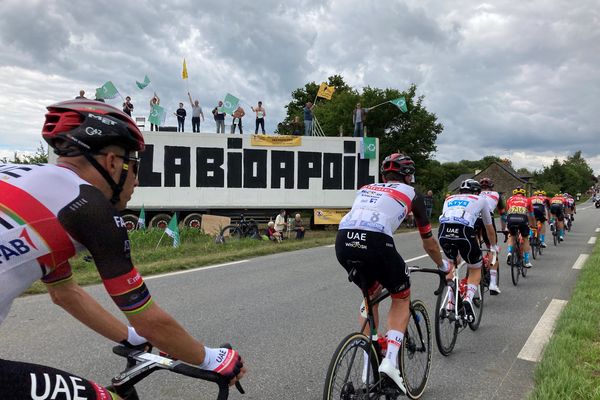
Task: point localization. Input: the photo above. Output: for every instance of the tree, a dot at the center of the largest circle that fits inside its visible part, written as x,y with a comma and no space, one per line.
39,157
572,175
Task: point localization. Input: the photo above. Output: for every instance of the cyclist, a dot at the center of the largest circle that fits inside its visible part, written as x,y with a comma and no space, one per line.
457,234
570,207
557,210
495,202
541,211
519,219
366,235
49,213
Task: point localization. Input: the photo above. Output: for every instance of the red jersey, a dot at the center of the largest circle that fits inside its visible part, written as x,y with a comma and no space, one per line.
559,200
539,200
519,204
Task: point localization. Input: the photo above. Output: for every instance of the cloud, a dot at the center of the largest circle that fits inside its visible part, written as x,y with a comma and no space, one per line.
502,77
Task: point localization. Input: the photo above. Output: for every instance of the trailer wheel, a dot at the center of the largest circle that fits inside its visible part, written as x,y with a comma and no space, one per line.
193,220
131,222
160,221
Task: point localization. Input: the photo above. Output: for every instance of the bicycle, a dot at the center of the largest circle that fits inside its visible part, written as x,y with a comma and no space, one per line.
535,242
142,363
486,266
517,265
450,315
554,230
346,376
243,229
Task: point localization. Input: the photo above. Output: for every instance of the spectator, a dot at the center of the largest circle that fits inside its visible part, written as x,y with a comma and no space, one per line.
219,117
296,126
196,114
272,233
81,95
280,224
127,106
428,204
180,114
100,99
298,226
154,101
237,119
359,115
308,119
260,117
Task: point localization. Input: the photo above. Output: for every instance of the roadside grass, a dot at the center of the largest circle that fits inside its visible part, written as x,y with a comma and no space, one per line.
570,367
196,250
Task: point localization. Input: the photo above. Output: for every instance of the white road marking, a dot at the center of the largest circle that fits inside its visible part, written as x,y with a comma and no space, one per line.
195,269
416,258
597,230
592,240
330,245
580,261
541,334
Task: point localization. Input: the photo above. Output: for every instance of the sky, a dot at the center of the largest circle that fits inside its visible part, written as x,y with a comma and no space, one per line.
507,78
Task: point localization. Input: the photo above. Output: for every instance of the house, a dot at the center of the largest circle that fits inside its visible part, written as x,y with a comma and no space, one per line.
504,176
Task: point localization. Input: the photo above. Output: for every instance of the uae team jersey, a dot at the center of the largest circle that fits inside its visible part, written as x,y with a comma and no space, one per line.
465,209
381,207
493,199
47,215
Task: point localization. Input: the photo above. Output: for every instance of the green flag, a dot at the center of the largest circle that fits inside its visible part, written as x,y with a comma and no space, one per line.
368,147
107,91
173,230
142,85
230,104
142,219
157,115
400,102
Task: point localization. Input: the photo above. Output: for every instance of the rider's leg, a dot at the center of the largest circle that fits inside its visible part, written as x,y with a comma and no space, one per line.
20,380
397,321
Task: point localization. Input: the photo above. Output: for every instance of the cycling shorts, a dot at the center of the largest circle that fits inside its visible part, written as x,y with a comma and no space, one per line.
480,229
558,211
539,211
518,223
460,239
21,380
380,260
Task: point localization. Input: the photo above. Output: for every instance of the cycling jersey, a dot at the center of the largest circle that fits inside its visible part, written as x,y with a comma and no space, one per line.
519,204
381,207
464,209
47,215
540,206
558,200
494,200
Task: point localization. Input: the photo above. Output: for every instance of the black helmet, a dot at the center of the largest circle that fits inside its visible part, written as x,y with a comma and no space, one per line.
470,186
90,125
486,183
398,163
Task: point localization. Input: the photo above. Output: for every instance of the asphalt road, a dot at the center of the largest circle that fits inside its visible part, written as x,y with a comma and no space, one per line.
286,313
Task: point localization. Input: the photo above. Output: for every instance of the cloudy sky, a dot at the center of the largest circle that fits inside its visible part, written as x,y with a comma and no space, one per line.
510,78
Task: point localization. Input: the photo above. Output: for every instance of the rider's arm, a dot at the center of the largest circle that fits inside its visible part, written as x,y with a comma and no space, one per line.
430,244
486,217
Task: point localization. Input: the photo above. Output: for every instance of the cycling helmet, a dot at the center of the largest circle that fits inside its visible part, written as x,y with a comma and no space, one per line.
536,193
543,192
471,186
399,163
90,125
519,190
486,183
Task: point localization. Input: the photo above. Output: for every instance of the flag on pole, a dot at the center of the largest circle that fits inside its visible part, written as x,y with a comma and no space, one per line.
107,91
325,91
142,85
400,102
173,230
157,115
230,104
184,73
142,220
368,147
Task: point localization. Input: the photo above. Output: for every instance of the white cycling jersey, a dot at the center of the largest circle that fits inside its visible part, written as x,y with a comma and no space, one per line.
492,199
465,209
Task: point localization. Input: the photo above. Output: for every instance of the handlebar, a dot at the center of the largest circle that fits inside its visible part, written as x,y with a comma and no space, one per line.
141,363
441,274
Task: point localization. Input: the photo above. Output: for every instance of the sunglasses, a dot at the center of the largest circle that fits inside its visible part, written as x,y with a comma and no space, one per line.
128,159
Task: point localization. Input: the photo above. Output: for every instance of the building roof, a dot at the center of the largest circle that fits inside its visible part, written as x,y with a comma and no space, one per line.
508,169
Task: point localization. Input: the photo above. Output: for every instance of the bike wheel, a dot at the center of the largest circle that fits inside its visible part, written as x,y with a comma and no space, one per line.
533,245
446,325
414,357
514,267
478,303
231,232
346,375
555,237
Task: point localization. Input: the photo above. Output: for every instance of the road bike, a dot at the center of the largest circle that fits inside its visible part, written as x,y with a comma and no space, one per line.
450,315
516,262
554,230
141,363
245,228
353,372
535,242
486,267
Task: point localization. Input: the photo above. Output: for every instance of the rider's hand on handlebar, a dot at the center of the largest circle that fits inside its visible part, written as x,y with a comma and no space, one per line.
226,362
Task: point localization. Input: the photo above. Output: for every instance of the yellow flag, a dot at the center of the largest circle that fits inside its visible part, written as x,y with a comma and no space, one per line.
325,91
184,74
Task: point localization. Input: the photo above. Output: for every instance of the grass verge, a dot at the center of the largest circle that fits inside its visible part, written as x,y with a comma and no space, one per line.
196,250
570,368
